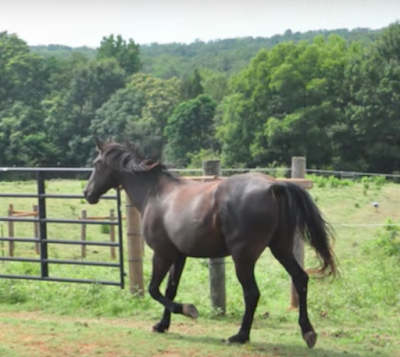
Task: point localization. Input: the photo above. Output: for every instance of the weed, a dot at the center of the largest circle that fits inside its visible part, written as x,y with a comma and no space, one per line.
105,229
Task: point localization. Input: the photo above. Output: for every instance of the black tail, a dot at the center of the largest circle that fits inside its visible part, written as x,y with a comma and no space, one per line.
301,211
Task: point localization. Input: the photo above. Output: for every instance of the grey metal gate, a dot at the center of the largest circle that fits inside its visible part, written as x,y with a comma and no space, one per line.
44,241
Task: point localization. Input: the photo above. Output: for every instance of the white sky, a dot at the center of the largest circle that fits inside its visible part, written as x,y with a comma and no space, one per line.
85,22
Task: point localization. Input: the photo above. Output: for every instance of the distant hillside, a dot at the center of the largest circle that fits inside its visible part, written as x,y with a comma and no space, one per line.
61,51
227,55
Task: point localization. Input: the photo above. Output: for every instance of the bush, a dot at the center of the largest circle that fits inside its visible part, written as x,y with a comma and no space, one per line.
330,181
380,180
387,240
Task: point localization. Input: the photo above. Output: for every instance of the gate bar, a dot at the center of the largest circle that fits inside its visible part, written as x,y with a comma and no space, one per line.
121,239
42,225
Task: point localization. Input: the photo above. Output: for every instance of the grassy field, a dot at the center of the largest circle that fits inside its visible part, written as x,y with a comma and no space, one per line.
357,314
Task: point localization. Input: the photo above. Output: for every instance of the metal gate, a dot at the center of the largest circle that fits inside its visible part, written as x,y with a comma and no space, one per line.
42,174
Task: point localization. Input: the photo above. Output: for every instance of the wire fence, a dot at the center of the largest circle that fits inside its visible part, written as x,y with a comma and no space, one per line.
286,171
274,171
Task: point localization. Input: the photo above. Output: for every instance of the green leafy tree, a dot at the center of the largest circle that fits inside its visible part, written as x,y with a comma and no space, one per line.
373,112
140,111
285,103
23,139
23,74
191,86
126,53
24,80
189,129
215,84
71,112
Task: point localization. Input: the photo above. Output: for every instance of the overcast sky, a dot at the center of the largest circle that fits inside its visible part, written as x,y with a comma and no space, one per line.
85,22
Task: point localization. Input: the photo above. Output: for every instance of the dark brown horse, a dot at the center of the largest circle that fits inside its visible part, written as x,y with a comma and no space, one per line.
239,216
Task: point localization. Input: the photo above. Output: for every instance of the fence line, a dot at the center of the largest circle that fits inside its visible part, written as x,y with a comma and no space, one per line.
352,173
260,169
288,169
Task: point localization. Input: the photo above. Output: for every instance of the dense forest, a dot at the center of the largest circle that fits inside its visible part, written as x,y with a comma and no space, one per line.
333,96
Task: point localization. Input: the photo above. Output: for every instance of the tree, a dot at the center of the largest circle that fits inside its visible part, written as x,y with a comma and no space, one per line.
23,139
71,112
190,129
23,74
373,112
140,111
191,86
285,103
23,85
127,54
215,84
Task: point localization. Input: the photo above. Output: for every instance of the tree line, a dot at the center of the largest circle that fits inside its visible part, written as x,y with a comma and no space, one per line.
333,97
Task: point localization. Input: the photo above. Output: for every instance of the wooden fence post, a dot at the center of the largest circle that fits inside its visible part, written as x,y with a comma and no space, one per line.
216,265
83,234
135,248
11,231
112,233
36,229
298,171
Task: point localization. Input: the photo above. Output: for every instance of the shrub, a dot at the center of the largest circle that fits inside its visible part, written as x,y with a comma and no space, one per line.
387,240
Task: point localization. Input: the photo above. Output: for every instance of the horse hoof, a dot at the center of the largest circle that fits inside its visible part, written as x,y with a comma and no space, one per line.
240,339
159,328
310,338
190,311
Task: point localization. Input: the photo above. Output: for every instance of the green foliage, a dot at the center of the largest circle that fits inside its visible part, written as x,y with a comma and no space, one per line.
380,180
196,158
23,85
191,86
285,103
332,96
70,115
387,240
215,84
105,229
140,111
189,129
329,181
127,54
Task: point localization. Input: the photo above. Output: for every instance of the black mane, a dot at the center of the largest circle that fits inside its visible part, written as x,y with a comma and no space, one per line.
128,157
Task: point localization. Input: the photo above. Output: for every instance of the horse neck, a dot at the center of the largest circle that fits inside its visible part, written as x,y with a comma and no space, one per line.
140,187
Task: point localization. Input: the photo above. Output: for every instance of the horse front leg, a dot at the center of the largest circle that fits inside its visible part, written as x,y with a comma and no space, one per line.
162,262
170,293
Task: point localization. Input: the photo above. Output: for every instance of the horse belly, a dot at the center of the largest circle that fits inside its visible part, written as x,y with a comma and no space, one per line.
198,236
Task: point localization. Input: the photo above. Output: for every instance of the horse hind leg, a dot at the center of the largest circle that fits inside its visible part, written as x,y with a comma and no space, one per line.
245,274
170,293
283,252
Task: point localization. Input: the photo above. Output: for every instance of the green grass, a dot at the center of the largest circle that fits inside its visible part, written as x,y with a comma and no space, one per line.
355,315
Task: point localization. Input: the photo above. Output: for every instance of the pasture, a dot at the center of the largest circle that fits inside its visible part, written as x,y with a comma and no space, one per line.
357,314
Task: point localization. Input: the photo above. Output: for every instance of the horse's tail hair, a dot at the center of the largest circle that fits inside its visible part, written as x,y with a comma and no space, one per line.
300,211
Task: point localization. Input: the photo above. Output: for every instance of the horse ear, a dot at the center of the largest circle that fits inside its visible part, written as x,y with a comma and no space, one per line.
99,143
